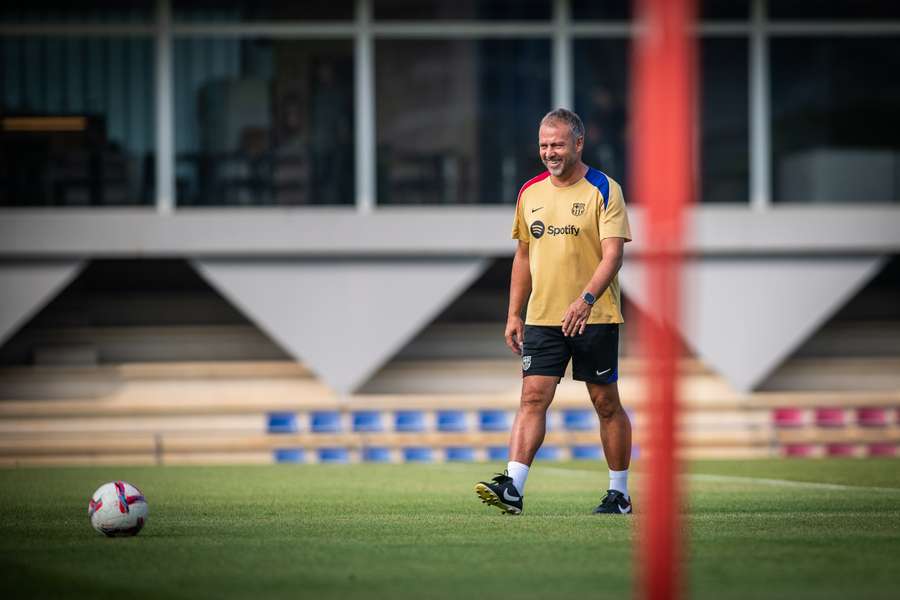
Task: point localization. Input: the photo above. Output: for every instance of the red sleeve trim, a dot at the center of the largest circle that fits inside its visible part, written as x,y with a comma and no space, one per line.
529,183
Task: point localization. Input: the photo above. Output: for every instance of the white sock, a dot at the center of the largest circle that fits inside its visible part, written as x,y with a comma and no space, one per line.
519,474
618,480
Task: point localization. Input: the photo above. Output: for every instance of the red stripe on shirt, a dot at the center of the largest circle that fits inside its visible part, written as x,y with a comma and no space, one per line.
529,183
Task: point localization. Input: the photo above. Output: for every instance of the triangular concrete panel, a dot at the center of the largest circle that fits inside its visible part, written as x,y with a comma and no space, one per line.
744,315
343,318
25,287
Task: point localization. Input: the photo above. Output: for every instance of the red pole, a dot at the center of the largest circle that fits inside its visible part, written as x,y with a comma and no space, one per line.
663,152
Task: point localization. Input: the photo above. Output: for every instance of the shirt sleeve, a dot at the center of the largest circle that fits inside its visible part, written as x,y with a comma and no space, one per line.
520,227
614,218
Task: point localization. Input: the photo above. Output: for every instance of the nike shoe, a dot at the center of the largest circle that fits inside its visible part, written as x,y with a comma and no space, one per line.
500,492
614,503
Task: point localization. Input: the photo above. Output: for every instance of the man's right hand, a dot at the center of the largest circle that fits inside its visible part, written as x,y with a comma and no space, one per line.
515,333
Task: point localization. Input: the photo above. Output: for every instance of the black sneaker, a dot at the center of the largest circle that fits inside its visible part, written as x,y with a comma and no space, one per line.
500,492
614,503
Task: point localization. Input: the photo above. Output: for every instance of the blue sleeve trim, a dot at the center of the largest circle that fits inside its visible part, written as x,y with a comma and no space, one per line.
600,181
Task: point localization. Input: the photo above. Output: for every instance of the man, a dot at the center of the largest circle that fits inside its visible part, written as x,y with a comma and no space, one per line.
571,226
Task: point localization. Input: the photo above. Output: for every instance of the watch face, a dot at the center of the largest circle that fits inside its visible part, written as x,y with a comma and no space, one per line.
589,298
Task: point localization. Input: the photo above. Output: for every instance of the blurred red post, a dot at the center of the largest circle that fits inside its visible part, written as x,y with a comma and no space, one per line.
663,99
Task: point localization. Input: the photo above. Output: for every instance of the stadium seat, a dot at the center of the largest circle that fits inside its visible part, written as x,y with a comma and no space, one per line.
452,420
333,455
580,420
409,420
498,453
840,450
830,417
788,417
326,421
376,454
282,423
548,453
798,450
417,454
872,417
587,453
460,454
882,450
367,420
288,455
494,420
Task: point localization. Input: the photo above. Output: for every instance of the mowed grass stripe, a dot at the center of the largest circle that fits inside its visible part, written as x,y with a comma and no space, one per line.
393,531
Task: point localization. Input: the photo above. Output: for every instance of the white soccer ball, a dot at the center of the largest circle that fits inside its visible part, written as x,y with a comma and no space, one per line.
117,509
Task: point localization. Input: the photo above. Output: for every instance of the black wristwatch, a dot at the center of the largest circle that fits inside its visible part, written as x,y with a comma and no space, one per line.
588,298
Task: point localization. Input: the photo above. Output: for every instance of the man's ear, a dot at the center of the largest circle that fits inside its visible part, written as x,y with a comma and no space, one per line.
579,144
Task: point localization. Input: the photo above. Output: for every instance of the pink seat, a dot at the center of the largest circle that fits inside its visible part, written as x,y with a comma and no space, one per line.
872,417
798,450
883,449
830,417
840,449
788,417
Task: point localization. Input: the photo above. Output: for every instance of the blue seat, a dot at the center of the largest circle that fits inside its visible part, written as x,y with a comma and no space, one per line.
587,453
367,420
417,454
333,455
498,453
376,454
282,423
452,420
288,455
409,420
494,420
460,454
326,421
580,420
547,453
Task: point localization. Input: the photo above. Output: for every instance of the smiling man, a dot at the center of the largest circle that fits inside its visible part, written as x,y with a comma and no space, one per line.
571,226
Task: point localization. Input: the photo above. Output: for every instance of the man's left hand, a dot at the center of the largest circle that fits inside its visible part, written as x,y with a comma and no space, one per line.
576,317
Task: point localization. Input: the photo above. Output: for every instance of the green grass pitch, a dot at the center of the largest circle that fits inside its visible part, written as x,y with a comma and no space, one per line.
418,531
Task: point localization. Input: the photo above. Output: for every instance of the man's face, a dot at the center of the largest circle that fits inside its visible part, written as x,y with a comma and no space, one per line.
559,150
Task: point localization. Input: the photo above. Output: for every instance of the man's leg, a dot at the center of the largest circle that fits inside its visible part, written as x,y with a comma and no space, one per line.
615,432
531,419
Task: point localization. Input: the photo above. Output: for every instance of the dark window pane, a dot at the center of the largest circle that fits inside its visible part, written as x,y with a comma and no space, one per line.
457,120
83,11
77,121
611,9
601,99
724,157
513,10
197,11
735,10
834,9
835,123
263,122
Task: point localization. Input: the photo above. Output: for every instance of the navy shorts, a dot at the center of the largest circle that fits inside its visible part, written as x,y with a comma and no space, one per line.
594,353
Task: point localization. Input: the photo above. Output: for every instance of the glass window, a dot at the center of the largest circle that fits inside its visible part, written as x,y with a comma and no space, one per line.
601,100
84,11
725,130
834,9
609,10
512,10
76,121
213,11
835,123
263,122
457,120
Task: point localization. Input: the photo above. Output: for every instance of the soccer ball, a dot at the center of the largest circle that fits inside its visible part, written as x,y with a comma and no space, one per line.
118,509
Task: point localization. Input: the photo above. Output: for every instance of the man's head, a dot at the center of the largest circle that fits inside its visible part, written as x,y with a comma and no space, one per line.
561,140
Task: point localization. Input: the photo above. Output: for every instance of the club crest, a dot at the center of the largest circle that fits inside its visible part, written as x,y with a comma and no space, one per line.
526,362
578,209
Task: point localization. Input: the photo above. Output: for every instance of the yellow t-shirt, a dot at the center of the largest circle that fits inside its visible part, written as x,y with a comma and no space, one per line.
563,227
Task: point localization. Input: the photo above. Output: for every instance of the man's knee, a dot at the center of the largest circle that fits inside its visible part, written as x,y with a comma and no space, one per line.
535,399
606,403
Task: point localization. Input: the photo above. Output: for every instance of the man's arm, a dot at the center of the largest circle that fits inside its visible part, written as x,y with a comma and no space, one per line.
578,312
519,288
